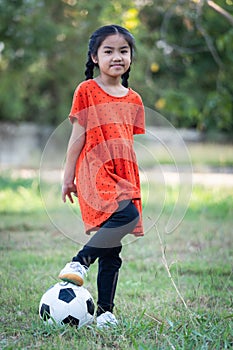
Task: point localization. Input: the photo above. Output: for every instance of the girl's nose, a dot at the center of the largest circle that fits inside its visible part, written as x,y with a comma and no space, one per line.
117,57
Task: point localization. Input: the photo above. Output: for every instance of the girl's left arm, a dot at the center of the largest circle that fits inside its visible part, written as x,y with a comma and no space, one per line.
75,145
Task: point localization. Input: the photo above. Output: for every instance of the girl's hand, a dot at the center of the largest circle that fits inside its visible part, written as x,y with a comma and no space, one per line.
68,190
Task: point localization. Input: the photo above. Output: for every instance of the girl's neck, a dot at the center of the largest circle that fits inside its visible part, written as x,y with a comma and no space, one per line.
108,81
111,85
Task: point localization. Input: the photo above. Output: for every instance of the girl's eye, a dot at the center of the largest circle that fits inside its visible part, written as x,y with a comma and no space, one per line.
124,51
108,51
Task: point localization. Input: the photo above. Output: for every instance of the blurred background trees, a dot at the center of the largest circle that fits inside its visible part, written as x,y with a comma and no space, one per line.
183,66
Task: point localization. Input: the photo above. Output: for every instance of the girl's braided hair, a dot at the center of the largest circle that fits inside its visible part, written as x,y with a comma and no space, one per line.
96,40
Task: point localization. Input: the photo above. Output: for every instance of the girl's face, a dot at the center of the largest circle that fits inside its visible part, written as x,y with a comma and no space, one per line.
113,56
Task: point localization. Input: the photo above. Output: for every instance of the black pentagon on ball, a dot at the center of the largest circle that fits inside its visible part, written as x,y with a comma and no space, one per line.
90,306
71,320
45,312
66,295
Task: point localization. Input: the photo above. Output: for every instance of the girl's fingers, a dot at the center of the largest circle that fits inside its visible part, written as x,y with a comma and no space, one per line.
67,192
70,198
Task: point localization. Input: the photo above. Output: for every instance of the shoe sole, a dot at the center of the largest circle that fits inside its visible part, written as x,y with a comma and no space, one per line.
72,278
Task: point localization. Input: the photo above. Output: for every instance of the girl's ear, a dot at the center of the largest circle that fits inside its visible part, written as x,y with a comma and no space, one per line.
94,59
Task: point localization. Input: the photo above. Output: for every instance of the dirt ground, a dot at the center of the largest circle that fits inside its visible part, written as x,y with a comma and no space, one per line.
170,177
158,175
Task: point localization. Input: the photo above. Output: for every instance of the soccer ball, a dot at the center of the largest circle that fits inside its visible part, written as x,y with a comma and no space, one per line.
66,303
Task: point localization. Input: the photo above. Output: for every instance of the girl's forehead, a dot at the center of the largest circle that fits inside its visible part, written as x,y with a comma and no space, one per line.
114,40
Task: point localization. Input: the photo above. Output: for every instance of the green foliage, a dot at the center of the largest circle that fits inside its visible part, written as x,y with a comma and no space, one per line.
182,68
191,46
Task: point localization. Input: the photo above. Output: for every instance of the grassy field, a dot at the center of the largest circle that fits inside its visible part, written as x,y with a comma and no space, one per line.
202,155
175,290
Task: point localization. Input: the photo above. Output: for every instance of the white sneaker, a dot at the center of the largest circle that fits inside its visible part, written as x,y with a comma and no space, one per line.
74,273
106,320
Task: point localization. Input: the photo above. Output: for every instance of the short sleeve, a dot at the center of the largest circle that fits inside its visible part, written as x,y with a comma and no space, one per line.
139,123
79,106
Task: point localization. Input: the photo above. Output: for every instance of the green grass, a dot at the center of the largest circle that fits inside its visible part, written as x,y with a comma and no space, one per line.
151,153
176,293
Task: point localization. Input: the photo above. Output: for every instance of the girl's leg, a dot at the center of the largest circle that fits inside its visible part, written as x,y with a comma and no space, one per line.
110,234
106,245
109,266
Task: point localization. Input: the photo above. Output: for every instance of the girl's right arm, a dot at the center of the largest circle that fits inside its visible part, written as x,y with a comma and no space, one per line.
75,145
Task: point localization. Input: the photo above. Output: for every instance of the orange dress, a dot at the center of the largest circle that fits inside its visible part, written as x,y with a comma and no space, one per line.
107,170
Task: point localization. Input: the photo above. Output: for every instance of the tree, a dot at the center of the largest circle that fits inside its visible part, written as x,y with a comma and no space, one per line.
190,64
43,46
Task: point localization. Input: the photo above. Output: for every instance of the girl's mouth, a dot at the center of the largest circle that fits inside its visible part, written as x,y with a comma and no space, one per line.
116,65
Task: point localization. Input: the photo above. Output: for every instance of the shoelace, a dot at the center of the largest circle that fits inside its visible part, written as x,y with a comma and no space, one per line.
78,268
110,318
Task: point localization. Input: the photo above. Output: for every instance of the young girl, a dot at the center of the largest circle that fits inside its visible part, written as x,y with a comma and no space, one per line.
101,167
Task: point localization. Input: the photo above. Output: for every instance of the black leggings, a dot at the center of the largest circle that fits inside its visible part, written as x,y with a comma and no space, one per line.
106,246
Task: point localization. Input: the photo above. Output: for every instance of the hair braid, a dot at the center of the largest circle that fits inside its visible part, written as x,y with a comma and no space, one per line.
89,72
125,78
